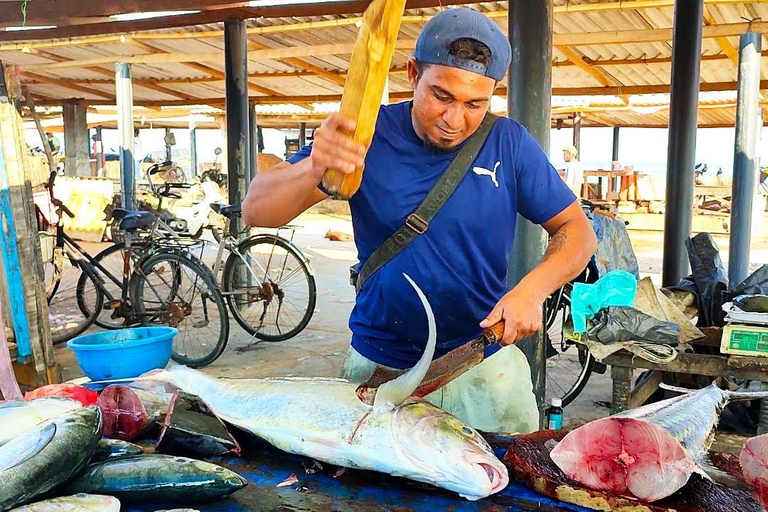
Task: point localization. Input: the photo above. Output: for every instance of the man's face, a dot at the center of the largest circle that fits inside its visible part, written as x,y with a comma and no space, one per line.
448,103
567,156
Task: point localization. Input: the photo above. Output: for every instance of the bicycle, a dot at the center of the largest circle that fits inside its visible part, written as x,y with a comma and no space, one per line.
569,364
268,283
161,282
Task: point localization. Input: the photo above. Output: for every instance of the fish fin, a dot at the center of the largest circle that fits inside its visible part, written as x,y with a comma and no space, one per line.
676,389
19,449
717,475
395,392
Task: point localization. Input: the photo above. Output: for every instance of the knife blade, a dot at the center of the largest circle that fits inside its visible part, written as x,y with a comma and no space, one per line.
442,370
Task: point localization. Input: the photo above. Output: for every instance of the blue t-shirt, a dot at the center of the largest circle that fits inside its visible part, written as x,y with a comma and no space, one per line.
461,261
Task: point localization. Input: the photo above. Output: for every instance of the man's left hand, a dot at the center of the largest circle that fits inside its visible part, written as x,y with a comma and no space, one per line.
521,310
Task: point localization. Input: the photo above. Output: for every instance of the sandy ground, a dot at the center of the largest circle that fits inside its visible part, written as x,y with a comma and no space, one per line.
319,349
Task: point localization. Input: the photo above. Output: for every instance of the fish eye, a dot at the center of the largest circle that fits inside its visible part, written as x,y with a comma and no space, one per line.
466,430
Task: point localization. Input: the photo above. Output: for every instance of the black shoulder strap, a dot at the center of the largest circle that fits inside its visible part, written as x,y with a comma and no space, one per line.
417,222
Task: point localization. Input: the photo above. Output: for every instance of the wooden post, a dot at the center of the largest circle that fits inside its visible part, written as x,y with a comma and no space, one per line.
23,289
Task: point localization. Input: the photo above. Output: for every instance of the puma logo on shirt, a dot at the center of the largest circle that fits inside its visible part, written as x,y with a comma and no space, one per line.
482,171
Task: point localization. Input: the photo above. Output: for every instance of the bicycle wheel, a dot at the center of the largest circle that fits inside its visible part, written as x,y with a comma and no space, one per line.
269,287
111,259
66,304
569,364
173,289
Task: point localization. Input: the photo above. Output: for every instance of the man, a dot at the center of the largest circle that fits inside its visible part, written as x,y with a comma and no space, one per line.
53,143
574,172
461,260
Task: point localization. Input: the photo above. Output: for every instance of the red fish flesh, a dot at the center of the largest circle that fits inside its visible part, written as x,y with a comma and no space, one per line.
83,395
650,452
754,466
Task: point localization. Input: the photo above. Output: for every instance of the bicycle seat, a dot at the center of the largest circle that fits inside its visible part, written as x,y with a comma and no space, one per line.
137,220
119,213
233,210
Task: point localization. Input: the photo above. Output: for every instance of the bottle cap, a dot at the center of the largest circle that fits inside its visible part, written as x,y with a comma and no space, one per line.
557,402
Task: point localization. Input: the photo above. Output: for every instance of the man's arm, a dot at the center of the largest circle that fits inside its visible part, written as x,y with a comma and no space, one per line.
278,195
571,245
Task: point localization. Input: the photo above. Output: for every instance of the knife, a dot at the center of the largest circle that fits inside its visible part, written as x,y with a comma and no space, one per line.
442,370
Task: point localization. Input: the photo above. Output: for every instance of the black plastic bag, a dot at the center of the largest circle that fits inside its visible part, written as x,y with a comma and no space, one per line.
755,284
620,323
708,281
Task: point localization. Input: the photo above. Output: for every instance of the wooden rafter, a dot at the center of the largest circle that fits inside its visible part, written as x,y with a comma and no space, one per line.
221,12
301,64
573,56
722,41
399,96
69,85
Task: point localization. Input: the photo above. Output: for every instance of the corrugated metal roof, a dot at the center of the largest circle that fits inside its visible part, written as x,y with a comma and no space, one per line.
628,63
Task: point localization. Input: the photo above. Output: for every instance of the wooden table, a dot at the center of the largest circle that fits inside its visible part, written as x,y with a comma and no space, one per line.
624,188
622,363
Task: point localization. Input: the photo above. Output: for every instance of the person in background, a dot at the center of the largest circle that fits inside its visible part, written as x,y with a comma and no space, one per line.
53,143
574,171
97,151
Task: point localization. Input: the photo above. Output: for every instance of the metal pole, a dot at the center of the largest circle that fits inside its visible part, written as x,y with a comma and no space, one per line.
253,123
100,164
683,111
529,96
744,158
238,146
615,152
168,149
193,147
577,133
302,135
124,86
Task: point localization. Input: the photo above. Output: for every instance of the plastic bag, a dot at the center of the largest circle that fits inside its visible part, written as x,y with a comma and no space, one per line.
616,288
755,284
620,323
707,281
614,248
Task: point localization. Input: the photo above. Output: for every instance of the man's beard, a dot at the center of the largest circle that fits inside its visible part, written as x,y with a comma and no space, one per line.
432,146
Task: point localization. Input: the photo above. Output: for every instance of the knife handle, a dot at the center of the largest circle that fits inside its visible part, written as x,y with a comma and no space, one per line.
494,333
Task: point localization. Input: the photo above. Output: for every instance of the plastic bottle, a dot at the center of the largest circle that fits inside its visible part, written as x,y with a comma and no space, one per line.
556,414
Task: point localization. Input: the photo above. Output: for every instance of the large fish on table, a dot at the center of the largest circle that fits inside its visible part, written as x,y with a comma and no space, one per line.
19,416
324,419
649,452
47,456
754,466
76,503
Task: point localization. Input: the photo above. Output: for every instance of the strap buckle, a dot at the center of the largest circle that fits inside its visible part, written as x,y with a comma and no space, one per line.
417,224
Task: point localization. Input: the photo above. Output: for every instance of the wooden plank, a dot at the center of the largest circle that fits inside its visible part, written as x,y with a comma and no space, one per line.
645,388
40,131
698,364
367,78
579,61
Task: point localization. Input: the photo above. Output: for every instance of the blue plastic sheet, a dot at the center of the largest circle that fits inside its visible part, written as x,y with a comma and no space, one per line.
614,248
616,288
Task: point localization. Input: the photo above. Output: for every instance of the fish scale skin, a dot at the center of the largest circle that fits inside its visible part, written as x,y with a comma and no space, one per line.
75,440
76,503
18,417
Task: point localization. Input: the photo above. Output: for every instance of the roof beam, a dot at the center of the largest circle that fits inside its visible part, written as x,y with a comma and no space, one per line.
302,64
69,85
722,41
579,61
398,96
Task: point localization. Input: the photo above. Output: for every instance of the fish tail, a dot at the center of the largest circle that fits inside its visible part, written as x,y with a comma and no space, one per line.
731,396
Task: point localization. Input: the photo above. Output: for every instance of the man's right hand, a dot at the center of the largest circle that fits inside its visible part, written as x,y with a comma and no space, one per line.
334,148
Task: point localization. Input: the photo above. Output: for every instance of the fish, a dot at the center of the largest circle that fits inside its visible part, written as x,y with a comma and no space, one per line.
162,478
650,452
76,503
47,455
19,416
323,419
754,466
110,449
130,412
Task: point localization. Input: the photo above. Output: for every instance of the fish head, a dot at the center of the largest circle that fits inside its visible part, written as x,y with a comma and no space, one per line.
449,452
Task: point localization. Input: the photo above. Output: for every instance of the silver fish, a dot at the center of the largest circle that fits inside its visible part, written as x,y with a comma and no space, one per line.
47,455
754,466
111,449
19,416
650,452
325,420
76,503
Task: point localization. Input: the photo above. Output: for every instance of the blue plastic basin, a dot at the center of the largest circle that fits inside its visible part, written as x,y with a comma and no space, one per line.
123,353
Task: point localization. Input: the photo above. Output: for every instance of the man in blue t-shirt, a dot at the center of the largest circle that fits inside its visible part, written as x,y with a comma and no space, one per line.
460,262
